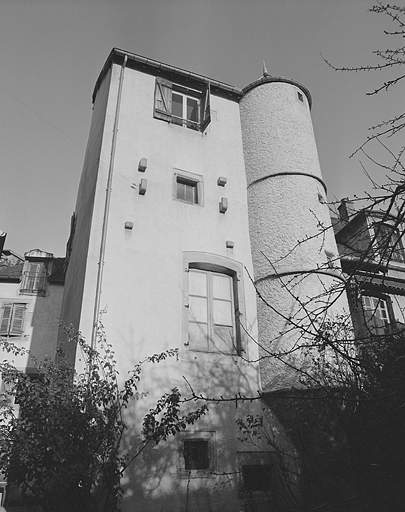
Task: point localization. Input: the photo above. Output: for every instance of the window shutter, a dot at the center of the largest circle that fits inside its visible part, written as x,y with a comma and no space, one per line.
18,319
392,321
5,319
205,111
163,99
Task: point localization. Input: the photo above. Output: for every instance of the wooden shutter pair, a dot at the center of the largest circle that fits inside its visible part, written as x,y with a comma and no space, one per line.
12,319
205,110
163,99
163,103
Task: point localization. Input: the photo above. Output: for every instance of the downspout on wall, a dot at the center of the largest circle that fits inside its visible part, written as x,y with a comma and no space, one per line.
99,281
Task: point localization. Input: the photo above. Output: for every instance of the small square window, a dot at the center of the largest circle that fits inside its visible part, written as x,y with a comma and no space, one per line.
256,477
188,187
300,96
196,454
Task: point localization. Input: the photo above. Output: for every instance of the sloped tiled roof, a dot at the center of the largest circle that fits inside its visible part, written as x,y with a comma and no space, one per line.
11,272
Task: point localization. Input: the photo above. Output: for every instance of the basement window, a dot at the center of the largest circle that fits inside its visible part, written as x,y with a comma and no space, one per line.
196,454
182,106
256,477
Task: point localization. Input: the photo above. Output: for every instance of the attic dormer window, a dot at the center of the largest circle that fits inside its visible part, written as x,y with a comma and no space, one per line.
34,279
388,242
182,106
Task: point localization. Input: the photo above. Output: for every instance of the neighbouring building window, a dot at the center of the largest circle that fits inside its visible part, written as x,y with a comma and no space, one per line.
12,319
256,477
214,304
378,314
34,279
181,105
388,242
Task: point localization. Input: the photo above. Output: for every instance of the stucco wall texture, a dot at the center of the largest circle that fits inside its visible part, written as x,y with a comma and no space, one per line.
289,223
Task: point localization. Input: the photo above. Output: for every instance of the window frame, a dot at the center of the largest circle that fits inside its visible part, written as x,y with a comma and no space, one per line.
163,104
13,324
207,262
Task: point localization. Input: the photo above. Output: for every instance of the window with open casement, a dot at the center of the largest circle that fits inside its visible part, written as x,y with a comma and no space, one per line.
181,105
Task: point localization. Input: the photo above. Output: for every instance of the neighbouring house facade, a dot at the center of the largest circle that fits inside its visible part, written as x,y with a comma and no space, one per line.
31,291
197,227
372,254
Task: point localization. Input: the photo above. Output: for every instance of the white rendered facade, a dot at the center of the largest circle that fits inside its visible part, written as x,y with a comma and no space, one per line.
163,242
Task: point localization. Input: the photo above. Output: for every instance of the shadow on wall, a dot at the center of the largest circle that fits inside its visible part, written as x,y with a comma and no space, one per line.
201,469
45,324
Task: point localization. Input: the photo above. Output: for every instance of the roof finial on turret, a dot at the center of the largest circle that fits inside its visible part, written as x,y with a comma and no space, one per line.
265,69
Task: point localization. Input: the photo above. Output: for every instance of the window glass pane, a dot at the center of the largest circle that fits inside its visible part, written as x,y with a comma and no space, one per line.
221,286
197,309
181,190
198,336
382,310
191,192
197,283
192,110
177,106
223,314
223,340
187,190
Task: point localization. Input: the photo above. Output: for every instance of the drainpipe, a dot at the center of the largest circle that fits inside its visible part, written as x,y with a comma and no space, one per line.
106,211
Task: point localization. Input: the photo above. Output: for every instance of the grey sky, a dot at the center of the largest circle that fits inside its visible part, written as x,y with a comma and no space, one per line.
53,51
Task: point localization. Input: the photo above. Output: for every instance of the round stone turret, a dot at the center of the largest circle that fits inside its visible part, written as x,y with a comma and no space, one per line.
294,250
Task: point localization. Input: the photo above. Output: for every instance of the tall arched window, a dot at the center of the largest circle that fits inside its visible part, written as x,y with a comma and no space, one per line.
214,304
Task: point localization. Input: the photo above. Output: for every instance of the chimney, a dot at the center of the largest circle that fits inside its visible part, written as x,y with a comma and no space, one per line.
346,209
3,235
